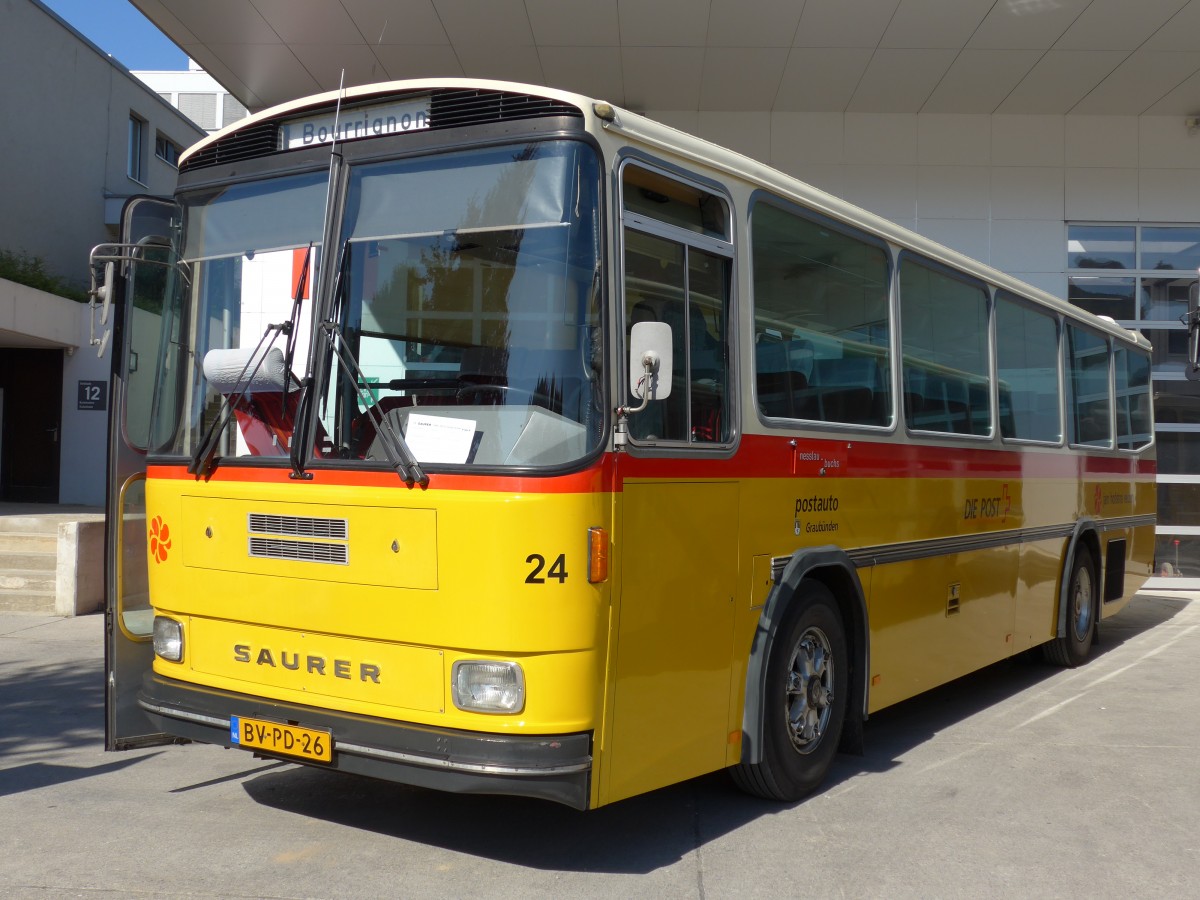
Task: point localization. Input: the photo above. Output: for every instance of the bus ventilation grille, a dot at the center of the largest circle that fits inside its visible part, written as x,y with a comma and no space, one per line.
299,526
447,109
299,551
257,140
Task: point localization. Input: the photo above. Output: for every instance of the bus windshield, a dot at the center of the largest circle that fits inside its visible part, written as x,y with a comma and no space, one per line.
464,315
468,299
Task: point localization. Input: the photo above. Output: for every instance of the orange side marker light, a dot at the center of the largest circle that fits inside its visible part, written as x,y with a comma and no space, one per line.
597,555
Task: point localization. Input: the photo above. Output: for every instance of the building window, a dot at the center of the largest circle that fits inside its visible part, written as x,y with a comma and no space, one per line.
166,150
1139,275
201,108
231,110
137,149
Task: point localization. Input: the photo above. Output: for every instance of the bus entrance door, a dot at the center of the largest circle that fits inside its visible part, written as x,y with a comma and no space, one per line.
140,282
675,635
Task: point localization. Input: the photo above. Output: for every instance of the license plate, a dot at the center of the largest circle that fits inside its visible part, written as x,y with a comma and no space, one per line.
285,740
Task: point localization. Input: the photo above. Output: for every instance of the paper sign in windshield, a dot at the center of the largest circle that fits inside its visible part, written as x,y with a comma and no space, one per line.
434,439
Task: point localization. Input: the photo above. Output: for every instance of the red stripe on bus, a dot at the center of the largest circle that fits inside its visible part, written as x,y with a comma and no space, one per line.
757,456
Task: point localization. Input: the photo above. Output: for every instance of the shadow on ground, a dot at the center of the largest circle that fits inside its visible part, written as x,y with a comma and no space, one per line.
646,833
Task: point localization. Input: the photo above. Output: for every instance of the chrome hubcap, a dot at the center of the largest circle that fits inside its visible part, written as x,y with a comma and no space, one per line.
809,696
1081,604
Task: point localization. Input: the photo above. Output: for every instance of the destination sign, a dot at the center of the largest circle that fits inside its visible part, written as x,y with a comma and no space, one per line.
353,124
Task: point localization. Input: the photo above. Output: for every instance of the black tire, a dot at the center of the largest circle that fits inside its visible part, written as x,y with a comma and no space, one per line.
808,682
1072,648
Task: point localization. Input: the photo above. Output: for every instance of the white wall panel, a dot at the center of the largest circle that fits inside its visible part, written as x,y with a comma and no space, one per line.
890,191
745,132
881,138
1107,194
800,138
1027,140
1169,195
970,236
1027,246
953,192
1102,141
1027,192
1164,143
952,140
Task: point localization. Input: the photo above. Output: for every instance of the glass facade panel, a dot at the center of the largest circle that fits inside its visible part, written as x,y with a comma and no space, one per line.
1179,504
1168,247
1163,299
1169,348
1177,556
1177,403
1160,262
1178,453
1114,297
1101,246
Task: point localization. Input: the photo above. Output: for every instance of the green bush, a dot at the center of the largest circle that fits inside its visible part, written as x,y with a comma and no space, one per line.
31,272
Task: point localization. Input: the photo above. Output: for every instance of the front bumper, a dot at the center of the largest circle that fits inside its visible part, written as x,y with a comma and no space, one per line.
552,767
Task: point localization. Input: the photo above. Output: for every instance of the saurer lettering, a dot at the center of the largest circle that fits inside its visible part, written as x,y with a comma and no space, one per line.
313,665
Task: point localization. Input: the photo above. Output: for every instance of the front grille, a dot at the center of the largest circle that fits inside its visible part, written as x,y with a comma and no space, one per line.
300,551
449,108
299,526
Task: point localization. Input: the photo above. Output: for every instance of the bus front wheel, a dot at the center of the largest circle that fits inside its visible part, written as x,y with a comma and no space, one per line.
1072,648
805,700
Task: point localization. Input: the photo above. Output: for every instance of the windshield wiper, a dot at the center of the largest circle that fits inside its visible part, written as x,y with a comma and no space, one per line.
394,445
296,448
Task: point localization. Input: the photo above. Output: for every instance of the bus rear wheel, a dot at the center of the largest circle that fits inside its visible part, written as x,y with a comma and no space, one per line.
805,704
1072,648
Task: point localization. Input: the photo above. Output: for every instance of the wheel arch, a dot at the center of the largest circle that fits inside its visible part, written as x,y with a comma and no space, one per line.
1087,534
832,567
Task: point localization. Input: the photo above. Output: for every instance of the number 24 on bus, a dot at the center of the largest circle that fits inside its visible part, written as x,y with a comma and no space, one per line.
494,439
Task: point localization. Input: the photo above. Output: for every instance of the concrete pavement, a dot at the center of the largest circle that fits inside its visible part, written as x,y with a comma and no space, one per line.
1020,781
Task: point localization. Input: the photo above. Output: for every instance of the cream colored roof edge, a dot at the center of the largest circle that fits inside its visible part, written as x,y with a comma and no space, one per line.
353,93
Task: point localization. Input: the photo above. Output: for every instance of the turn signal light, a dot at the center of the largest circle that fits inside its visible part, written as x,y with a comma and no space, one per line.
597,555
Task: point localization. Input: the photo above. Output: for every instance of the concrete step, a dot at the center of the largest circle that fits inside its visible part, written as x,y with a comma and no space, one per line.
42,602
25,541
32,560
21,580
30,524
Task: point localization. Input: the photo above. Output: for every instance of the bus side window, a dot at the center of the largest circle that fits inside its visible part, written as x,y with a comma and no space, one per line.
821,319
1089,412
671,279
944,330
1027,364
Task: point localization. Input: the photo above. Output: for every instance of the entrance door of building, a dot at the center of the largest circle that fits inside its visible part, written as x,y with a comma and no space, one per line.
32,424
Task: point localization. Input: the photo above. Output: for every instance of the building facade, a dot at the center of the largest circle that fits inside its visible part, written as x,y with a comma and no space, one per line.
197,95
89,136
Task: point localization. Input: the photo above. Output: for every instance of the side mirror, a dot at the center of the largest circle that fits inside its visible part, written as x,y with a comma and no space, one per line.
650,362
101,294
104,293
1191,368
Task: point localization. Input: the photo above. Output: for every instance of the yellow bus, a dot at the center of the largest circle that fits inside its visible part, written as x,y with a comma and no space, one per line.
494,439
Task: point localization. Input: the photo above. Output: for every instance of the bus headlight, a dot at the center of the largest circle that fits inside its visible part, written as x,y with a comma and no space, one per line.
487,686
168,639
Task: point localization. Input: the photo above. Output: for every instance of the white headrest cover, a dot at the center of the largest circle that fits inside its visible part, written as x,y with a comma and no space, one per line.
222,368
